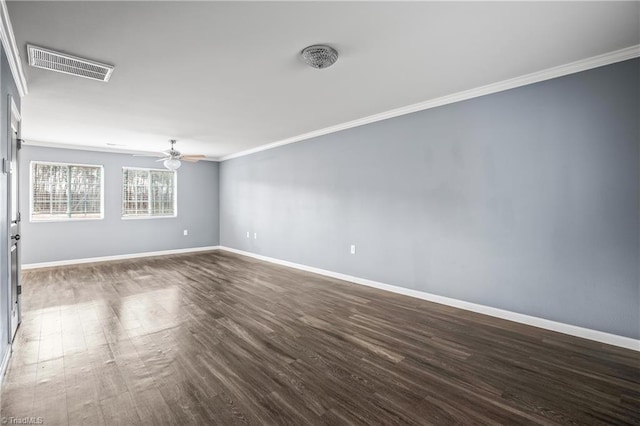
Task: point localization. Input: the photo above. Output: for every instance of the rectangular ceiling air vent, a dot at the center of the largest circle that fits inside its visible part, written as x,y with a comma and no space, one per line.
40,57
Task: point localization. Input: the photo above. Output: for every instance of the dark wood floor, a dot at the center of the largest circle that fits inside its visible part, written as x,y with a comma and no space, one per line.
216,338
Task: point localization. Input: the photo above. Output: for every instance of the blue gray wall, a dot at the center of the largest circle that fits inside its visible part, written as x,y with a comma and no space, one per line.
7,87
52,241
525,200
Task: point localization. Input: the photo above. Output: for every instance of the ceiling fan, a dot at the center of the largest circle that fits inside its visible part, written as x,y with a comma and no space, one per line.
171,157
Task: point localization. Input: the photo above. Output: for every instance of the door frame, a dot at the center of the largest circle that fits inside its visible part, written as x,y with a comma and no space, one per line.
14,121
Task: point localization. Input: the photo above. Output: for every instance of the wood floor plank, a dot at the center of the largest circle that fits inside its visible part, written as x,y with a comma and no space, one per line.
217,338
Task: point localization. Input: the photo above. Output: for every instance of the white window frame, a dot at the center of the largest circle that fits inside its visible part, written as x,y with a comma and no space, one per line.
65,219
149,216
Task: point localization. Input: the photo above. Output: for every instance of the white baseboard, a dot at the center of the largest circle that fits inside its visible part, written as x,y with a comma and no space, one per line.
5,364
585,333
116,257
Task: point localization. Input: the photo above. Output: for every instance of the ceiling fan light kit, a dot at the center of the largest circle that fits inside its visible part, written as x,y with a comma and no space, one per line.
172,164
319,56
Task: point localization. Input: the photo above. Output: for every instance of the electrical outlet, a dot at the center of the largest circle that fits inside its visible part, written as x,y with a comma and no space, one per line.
353,249
186,232
255,235
248,234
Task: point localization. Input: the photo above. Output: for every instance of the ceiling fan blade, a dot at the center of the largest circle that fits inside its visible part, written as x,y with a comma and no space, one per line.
149,155
162,159
192,158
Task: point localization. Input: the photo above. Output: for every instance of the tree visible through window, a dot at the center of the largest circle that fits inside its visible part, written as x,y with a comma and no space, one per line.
65,191
148,193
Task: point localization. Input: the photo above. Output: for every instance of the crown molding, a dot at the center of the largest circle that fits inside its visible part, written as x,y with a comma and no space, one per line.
58,145
107,149
547,74
535,77
11,49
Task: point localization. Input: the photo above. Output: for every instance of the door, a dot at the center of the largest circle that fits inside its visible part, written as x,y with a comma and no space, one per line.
14,218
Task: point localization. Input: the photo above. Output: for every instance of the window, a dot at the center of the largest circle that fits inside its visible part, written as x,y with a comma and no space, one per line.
66,191
148,193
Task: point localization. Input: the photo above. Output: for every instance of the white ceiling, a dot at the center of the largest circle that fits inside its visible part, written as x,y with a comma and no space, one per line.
224,77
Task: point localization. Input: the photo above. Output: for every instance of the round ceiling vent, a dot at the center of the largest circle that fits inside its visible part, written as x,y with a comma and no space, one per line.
320,56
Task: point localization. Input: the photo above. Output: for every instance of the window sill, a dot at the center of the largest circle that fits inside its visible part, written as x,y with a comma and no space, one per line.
65,220
147,217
